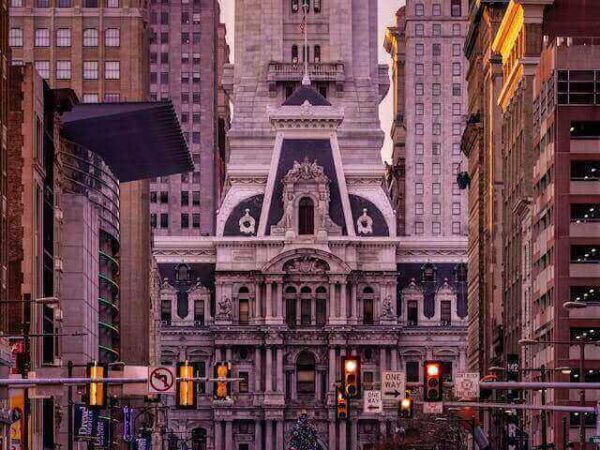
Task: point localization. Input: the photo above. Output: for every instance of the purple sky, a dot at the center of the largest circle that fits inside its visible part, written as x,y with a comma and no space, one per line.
387,9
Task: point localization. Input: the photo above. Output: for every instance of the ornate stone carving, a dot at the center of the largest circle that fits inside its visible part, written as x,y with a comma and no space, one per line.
225,309
247,223
306,171
364,223
306,265
387,310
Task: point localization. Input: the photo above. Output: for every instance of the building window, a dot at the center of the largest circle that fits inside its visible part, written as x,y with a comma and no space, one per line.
42,37
317,54
436,169
164,77
196,220
456,69
317,6
196,18
164,197
185,220
321,318
456,228
63,37
419,168
153,197
419,49
436,29
91,98
196,198
419,148
90,3
305,370
419,69
15,37
436,228
436,69
419,129
185,198
419,188
455,189
290,306
585,170
419,89
419,109
112,3
42,3
419,9
436,148
306,216
305,306
436,49
90,70
199,312
63,70
419,29
412,313
585,254
243,382
436,89
112,97
455,8
436,129
153,220
164,220
456,90
165,312
368,311
90,37
436,109
16,3
244,306
295,6
419,228
436,9
305,53
455,168
456,209
419,209
456,109
456,29
456,50
446,312
412,371
436,208
585,334
585,212
457,129
436,188
112,37
112,70
164,38
164,18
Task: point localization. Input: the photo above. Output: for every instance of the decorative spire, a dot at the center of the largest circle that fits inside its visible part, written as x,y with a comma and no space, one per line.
306,77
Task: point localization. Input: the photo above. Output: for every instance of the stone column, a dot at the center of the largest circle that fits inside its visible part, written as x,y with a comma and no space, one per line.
257,369
343,302
269,435
313,311
332,439
332,307
207,315
293,382
269,370
382,359
331,369
318,394
218,436
280,375
269,301
279,434
353,305
279,302
228,435
228,354
298,309
257,301
394,358
343,433
258,435
354,434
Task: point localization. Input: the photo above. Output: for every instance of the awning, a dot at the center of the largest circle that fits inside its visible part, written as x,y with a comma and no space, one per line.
137,140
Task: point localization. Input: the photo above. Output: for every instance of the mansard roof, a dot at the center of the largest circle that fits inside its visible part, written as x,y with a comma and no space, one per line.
306,93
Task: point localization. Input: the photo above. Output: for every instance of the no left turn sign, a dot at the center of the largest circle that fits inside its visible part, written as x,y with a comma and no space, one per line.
161,380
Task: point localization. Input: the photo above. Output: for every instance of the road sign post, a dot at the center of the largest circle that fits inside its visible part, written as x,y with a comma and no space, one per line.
373,403
161,380
393,385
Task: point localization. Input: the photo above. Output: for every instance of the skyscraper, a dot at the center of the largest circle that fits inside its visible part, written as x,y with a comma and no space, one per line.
187,54
4,58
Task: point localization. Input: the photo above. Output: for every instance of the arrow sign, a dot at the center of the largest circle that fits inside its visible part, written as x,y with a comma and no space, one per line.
161,380
393,384
373,403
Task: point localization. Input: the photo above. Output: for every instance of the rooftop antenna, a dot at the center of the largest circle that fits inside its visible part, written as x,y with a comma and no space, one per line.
305,7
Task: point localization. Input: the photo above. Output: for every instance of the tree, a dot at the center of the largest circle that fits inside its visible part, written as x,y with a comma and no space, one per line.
304,435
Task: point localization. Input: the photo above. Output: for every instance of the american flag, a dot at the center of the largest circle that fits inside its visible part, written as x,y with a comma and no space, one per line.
303,23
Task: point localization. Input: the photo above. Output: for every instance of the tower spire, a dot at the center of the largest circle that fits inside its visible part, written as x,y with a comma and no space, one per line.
306,77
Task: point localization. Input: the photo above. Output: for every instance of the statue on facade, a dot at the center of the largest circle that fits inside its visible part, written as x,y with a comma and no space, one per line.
225,309
387,311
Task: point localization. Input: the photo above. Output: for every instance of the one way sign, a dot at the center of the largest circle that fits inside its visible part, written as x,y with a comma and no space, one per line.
372,402
393,385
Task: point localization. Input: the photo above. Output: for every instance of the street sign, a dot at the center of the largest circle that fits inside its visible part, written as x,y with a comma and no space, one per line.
372,403
161,380
466,385
433,408
393,385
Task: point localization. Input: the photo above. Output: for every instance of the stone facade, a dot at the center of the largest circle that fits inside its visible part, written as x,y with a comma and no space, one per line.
187,54
4,96
305,267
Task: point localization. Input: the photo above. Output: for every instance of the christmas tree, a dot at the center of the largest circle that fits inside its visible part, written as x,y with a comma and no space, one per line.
304,435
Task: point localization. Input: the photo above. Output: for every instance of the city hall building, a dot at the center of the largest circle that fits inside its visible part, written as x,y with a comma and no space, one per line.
306,266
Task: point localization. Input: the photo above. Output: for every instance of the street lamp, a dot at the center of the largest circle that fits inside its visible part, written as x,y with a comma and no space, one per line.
575,305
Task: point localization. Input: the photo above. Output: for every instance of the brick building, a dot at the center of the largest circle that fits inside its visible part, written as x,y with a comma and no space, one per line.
4,58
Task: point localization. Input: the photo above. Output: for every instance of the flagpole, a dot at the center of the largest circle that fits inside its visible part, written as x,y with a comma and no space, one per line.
306,78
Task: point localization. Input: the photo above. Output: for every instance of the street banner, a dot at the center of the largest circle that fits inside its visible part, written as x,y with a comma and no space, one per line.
393,385
466,386
83,420
161,380
127,424
17,400
142,443
433,408
372,402
102,432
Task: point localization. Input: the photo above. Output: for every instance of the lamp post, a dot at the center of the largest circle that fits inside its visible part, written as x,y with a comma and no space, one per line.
581,344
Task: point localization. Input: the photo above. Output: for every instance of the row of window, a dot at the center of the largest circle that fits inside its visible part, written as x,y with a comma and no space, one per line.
112,70
306,53
436,189
305,5
436,50
436,9
436,208
163,197
436,129
112,37
436,228
164,58
436,69
67,4
436,89
436,30
585,254
185,77
585,212
164,18
186,37
436,168
185,220
436,148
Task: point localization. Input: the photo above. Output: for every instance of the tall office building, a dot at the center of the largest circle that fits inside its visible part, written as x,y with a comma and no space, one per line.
305,268
430,105
4,58
187,54
99,49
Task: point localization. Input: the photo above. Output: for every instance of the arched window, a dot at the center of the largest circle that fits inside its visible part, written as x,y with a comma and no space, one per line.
306,216
290,306
198,439
368,305
244,305
295,6
321,306
294,54
182,304
305,306
317,54
182,272
305,371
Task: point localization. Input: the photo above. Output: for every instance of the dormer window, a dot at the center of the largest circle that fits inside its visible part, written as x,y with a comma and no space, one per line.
306,216
294,54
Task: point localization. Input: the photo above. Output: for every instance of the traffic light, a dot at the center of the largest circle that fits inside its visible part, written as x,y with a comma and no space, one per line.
433,381
351,375
341,405
186,387
222,385
406,408
96,390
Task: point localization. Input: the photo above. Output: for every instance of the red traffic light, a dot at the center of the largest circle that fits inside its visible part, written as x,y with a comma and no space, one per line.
433,381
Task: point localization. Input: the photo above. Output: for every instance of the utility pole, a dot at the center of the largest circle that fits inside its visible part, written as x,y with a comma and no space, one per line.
70,411
543,412
26,366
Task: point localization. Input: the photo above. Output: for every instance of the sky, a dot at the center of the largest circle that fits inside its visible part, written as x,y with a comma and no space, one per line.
387,10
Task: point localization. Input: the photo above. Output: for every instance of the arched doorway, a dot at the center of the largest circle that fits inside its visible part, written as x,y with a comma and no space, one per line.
306,216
